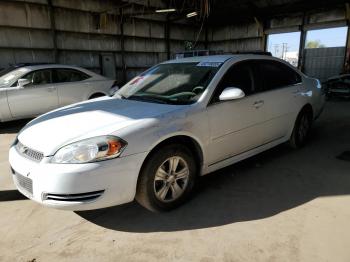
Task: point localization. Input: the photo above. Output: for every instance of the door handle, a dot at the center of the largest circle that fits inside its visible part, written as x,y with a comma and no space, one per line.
258,104
51,88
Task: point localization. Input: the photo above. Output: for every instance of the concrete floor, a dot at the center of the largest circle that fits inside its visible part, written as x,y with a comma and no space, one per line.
283,205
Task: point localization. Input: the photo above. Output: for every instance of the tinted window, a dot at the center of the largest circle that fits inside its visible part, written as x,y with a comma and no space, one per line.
39,77
239,76
276,75
68,75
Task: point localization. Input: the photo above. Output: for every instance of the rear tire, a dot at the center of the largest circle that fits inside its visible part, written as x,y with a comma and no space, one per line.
301,129
167,178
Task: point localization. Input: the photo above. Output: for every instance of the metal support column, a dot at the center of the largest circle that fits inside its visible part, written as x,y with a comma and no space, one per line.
167,37
347,48
302,43
261,32
206,40
53,30
122,47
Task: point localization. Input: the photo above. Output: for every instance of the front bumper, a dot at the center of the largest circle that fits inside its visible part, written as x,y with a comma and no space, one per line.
77,186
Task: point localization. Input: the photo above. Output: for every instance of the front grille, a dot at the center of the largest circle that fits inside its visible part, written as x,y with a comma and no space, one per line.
73,197
29,153
23,183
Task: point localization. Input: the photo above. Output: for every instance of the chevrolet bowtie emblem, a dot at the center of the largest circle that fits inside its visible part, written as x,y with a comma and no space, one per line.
23,149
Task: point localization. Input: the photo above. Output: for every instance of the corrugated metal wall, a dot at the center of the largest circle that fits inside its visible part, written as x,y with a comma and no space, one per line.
234,38
323,63
26,35
77,38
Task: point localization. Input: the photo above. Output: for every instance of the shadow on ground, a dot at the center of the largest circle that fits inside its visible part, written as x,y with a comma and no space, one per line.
11,195
257,188
13,127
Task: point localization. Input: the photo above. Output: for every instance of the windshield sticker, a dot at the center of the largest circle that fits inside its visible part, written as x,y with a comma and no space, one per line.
136,80
210,64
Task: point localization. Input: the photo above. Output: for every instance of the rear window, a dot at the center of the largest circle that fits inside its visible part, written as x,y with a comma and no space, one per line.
277,75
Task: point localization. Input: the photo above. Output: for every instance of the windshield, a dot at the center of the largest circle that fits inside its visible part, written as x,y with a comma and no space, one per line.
7,70
176,83
8,78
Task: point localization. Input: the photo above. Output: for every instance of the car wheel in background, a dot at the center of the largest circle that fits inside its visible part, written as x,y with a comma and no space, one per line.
167,178
96,95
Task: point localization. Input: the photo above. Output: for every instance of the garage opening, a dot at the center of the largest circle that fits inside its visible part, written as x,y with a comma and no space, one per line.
325,52
285,46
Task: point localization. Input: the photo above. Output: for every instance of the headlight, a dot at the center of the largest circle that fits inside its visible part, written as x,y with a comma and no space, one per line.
90,150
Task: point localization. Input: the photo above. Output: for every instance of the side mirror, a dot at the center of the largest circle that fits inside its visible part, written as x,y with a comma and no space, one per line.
231,93
23,82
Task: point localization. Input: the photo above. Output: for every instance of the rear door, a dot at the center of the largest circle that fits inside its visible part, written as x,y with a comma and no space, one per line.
38,97
71,85
280,86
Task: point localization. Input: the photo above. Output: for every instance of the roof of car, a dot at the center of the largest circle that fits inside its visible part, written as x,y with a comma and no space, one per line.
32,67
217,58
40,66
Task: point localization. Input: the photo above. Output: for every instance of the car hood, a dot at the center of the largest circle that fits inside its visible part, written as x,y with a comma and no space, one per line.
98,117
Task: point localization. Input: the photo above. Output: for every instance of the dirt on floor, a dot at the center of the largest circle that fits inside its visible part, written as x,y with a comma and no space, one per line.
282,205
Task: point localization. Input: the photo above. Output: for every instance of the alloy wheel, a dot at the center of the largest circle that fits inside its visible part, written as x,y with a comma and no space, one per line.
171,179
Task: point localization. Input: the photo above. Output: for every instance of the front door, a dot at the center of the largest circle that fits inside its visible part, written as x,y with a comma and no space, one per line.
36,98
235,126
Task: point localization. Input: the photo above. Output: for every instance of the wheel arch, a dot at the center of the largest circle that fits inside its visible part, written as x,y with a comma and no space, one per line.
186,140
96,94
308,108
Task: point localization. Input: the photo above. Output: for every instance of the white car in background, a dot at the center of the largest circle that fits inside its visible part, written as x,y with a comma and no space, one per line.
176,121
30,90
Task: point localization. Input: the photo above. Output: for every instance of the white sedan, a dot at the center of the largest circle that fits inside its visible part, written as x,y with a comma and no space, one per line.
178,120
30,90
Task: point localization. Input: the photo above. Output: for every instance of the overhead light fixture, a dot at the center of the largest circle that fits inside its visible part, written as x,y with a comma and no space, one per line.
191,14
166,10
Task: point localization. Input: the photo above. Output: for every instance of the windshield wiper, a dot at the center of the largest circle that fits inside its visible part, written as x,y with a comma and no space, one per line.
120,96
147,99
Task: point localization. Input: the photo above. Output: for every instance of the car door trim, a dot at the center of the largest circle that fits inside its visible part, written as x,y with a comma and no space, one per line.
245,151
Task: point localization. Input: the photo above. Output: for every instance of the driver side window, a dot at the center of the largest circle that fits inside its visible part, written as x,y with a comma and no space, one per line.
240,76
39,77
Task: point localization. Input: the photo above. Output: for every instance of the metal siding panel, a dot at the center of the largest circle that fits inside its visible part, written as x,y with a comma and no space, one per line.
323,63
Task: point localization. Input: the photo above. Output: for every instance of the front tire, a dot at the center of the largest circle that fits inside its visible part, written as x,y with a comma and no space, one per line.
301,129
167,178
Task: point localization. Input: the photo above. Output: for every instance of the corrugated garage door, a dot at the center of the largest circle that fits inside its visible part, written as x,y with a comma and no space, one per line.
323,63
